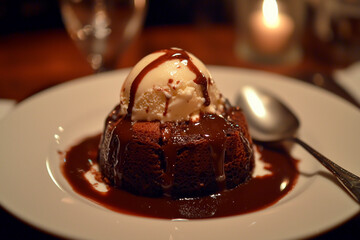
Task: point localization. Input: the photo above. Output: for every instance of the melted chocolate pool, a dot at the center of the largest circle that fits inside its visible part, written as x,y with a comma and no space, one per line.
258,193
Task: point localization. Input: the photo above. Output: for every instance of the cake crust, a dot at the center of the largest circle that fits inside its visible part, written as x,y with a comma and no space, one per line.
176,159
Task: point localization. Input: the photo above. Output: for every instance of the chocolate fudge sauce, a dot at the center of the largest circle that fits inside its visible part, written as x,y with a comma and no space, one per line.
212,127
169,54
258,193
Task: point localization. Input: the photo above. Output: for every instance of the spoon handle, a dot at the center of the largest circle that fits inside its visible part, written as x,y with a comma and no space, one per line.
349,180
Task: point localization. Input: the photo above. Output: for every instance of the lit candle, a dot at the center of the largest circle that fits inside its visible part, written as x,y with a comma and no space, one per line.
271,30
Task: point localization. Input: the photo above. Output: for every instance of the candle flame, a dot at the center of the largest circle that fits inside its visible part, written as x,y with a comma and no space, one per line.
270,13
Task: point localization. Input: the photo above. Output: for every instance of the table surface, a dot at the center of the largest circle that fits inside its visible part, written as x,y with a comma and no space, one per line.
33,61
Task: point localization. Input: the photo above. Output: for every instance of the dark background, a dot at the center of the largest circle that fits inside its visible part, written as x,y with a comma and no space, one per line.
30,15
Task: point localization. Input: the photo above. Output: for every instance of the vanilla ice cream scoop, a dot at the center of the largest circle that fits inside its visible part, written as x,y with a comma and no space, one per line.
169,85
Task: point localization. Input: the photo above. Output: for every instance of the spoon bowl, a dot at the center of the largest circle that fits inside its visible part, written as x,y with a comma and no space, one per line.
271,121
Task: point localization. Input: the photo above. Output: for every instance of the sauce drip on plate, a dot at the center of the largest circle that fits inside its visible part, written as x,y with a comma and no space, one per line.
257,194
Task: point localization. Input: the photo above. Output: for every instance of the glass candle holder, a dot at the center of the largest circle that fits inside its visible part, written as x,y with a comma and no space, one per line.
269,31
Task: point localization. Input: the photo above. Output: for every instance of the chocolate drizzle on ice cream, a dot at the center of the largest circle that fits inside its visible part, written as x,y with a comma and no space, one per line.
169,85
169,54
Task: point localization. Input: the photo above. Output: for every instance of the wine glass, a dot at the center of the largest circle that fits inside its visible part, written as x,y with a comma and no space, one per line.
103,29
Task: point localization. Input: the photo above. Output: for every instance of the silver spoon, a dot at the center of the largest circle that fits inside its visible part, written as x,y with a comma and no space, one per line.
270,121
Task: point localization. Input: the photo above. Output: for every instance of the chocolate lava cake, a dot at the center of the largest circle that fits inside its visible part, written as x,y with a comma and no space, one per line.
177,159
172,133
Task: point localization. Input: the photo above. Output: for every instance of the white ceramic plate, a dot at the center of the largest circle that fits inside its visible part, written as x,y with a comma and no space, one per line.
33,189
